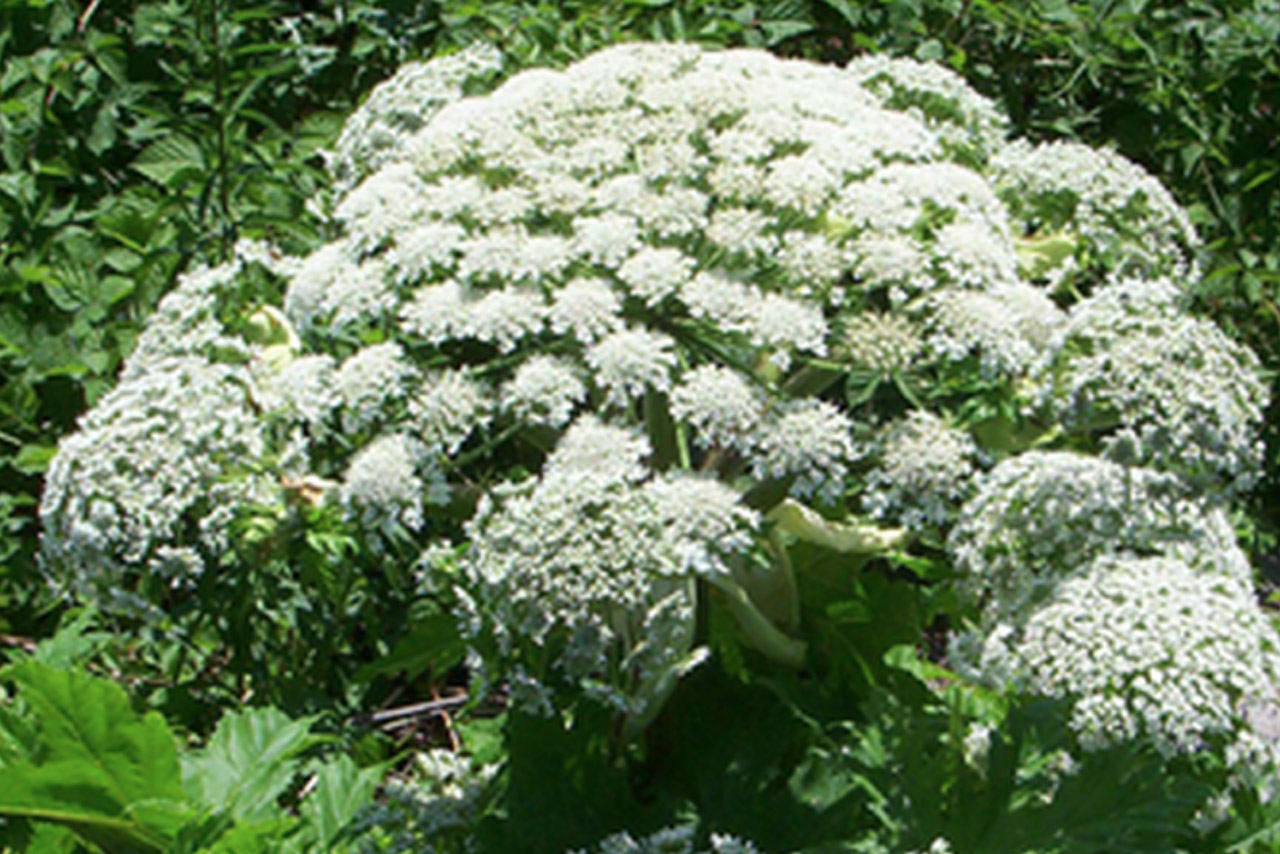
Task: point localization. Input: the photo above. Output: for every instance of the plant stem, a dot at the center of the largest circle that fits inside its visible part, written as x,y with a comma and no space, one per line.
764,635
220,121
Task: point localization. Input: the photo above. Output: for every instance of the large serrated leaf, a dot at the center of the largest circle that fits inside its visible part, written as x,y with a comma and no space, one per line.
99,768
168,158
340,792
249,761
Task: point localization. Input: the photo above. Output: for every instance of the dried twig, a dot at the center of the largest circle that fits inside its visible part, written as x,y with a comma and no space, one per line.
404,714
83,22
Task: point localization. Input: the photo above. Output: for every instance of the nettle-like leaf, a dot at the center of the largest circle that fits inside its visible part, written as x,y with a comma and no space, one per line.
75,755
95,766
248,763
341,790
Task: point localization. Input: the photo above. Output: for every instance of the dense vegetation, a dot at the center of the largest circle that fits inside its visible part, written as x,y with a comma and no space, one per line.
143,140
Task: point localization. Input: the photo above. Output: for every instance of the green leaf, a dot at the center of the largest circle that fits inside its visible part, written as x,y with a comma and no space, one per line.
433,644
847,10
168,158
217,834
341,791
483,738
99,768
17,737
778,31
34,459
73,643
249,761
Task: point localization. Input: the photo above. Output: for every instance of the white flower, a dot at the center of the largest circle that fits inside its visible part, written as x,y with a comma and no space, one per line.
800,182
628,362
1158,386
720,405
387,202
655,274
893,263
1149,648
780,325
679,225
369,381
1129,222
504,317
588,309
186,324
437,313
973,255
721,301
991,327
330,286
1040,516
381,487
925,470
811,441
506,206
425,251
741,230
607,239
510,254
901,196
595,554
884,343
304,389
376,133
163,462
449,407
811,262
544,390
967,119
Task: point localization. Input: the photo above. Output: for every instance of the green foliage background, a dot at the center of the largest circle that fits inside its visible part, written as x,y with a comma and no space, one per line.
141,137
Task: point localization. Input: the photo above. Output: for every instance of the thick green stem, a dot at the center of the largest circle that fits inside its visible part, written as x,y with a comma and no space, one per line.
220,125
773,589
764,635
814,378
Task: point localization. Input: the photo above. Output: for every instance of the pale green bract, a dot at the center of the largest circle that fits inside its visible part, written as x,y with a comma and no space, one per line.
607,342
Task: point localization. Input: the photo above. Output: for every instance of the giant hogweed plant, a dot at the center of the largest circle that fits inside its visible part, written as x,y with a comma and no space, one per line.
679,355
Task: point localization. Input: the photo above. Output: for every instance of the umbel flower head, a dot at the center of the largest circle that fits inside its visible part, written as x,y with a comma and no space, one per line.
596,561
1149,647
617,334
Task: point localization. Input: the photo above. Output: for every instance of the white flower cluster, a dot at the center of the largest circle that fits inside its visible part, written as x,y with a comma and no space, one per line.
398,107
938,96
595,562
1150,647
925,469
382,487
435,804
186,323
672,840
1041,515
1160,387
1125,219
1113,588
1005,329
140,489
810,441
880,342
